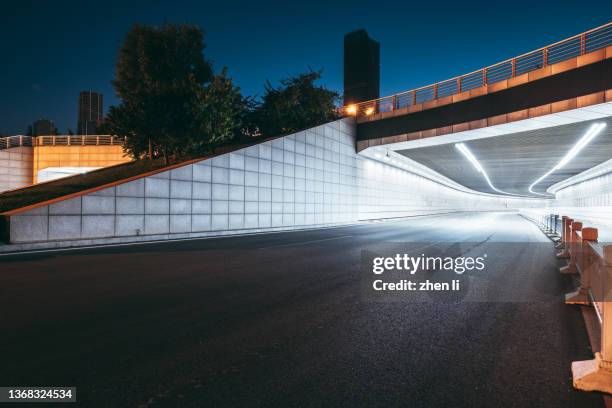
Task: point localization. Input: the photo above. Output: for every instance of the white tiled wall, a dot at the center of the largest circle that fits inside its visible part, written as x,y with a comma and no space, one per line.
311,178
589,201
15,168
594,192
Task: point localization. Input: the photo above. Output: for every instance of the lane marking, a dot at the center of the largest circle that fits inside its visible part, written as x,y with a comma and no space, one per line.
306,242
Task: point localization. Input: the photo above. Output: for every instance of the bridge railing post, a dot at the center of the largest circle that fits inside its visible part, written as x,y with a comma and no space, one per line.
551,223
596,374
606,335
574,248
561,242
585,261
564,254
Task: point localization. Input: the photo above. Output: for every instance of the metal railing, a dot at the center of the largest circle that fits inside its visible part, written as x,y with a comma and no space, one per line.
592,261
61,140
580,44
15,141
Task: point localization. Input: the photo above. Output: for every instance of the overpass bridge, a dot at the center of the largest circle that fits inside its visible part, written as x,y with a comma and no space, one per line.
27,160
541,102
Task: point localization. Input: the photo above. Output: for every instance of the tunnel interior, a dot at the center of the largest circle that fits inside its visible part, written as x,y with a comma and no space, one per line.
514,161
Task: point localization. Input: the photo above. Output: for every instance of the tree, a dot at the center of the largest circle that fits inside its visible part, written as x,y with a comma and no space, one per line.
159,76
222,114
297,104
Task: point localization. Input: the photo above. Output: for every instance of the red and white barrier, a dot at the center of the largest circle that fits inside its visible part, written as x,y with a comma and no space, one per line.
593,262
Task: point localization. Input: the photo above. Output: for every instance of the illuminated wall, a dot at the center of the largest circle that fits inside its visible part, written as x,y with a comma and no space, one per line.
76,156
312,178
15,168
587,197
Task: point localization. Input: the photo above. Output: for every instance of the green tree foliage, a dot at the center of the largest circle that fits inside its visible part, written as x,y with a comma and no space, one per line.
297,104
223,114
160,74
173,107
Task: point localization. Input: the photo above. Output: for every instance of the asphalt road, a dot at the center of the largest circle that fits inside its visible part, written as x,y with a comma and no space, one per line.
281,320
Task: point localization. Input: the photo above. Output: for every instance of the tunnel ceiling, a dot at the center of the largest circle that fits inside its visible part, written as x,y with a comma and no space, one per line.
516,160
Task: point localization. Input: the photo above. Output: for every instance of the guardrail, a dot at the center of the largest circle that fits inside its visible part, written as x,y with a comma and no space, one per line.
15,141
593,262
577,45
61,140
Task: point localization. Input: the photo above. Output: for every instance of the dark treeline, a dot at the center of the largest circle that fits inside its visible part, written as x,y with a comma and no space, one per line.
173,105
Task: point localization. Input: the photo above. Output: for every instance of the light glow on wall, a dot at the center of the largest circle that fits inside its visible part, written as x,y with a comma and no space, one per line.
54,173
593,131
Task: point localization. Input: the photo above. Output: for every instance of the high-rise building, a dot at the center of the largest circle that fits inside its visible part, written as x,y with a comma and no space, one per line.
90,113
361,67
43,127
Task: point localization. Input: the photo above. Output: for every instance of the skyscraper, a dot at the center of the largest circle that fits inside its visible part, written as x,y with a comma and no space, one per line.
361,67
90,113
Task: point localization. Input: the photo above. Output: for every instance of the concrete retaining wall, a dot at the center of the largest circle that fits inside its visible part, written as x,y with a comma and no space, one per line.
15,167
589,200
309,179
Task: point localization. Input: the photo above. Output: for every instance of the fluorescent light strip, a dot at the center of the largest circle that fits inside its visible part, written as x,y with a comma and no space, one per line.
593,131
467,153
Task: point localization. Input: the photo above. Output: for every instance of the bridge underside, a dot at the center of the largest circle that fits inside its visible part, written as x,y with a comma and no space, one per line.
518,128
516,154
573,84
514,161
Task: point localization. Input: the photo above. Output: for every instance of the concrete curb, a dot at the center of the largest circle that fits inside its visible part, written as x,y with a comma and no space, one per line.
16,249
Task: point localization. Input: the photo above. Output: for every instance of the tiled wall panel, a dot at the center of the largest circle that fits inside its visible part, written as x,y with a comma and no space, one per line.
15,167
307,179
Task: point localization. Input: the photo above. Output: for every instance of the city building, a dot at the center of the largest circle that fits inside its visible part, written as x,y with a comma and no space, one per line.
90,113
361,67
43,127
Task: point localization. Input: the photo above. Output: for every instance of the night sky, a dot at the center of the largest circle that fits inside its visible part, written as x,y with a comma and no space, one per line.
51,50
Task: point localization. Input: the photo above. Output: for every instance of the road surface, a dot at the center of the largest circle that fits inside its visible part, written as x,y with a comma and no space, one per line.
281,320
